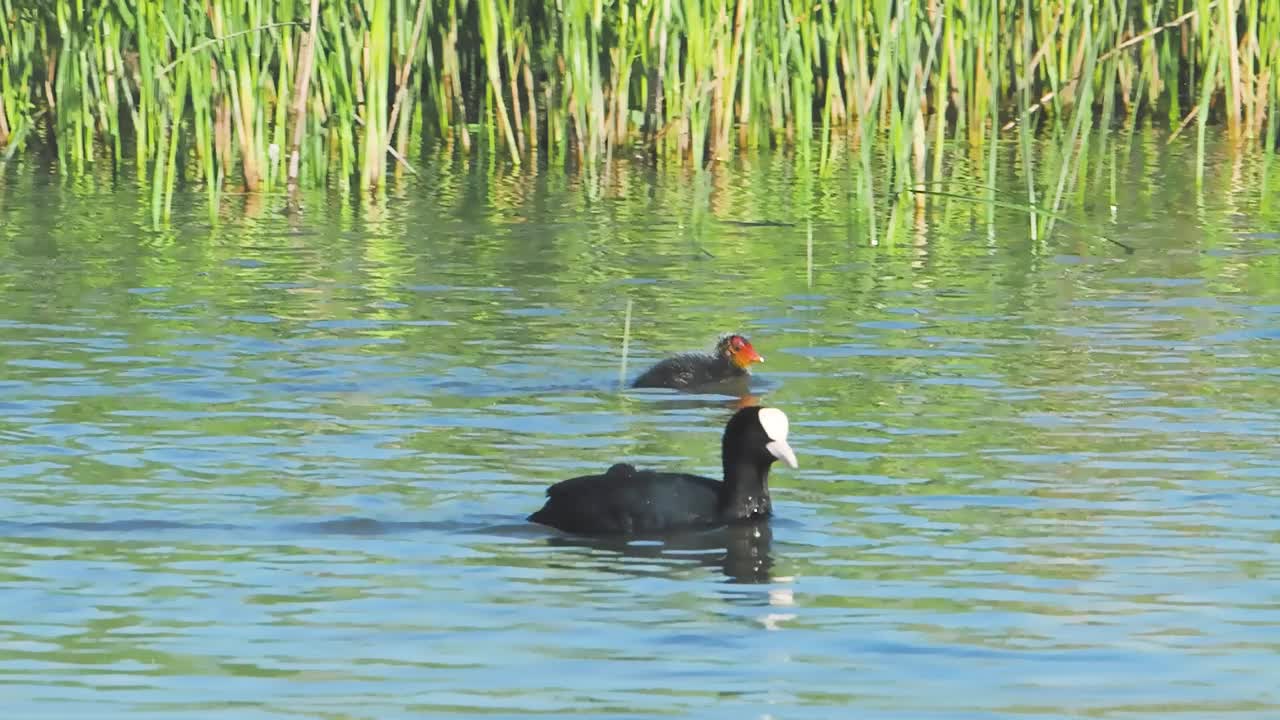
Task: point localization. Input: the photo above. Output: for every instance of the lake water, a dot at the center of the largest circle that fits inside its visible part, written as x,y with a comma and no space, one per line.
277,466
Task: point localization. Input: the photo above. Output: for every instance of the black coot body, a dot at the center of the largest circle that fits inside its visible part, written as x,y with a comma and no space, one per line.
691,371
625,500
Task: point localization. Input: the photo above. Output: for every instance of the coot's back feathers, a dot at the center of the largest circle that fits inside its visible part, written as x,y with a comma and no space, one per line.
630,502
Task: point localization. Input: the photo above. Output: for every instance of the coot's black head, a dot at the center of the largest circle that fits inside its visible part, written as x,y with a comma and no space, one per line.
737,350
757,435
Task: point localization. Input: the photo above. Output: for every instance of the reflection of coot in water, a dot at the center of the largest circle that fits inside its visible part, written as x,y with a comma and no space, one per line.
628,501
724,368
743,551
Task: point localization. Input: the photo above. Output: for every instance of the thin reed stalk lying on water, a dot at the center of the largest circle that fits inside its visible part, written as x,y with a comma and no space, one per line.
269,94
626,345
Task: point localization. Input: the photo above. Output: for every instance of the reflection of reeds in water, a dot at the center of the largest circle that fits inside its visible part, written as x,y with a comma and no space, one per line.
275,93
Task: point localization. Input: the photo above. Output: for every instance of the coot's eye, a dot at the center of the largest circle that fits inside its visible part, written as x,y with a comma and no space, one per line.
736,343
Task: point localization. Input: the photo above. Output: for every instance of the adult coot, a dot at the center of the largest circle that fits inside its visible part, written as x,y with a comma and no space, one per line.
631,501
728,362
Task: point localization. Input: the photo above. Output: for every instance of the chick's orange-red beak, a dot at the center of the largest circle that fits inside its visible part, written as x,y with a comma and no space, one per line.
746,355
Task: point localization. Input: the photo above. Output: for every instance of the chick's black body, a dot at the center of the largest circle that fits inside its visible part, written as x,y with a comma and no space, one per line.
629,501
726,366
691,370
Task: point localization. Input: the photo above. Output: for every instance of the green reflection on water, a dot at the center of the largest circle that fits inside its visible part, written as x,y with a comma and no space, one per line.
1004,444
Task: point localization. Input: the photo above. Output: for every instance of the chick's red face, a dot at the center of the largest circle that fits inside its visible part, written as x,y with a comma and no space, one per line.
741,352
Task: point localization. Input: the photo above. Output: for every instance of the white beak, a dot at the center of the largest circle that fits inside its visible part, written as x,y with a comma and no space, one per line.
781,450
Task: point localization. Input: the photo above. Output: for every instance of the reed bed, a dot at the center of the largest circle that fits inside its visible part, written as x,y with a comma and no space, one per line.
267,95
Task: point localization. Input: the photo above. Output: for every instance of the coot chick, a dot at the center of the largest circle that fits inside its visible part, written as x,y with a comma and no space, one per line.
728,362
625,500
